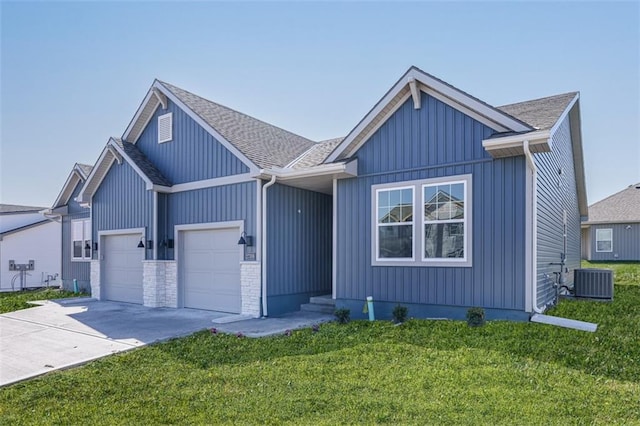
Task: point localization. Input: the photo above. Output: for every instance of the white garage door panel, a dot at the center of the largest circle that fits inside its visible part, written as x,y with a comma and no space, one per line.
122,278
211,269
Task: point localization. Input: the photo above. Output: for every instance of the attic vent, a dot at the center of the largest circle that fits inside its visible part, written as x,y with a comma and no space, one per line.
165,127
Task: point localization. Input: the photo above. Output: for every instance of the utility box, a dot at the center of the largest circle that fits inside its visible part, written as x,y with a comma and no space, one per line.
593,283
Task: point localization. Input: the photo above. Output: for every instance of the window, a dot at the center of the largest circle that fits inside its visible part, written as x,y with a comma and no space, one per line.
604,240
165,128
81,239
439,236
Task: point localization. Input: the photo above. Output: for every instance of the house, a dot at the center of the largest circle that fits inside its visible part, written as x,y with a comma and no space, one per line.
29,248
612,231
76,244
200,206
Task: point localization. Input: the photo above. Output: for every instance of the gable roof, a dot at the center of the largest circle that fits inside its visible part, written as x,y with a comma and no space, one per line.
623,206
15,209
258,144
543,113
142,162
316,154
78,174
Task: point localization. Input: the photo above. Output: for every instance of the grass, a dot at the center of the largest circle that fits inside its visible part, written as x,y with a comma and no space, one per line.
624,273
14,301
423,372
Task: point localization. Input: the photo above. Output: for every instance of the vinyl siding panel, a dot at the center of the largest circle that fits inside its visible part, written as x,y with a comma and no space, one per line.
216,204
122,202
556,193
79,270
626,242
436,141
192,155
298,245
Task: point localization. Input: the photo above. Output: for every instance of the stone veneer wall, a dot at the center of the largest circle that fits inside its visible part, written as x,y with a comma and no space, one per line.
159,283
95,279
250,282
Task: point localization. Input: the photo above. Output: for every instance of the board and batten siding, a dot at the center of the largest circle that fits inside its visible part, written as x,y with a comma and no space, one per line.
192,154
217,204
79,270
625,244
122,202
435,141
556,193
298,246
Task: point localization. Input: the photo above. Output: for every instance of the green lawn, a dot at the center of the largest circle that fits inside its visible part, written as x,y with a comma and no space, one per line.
13,301
423,372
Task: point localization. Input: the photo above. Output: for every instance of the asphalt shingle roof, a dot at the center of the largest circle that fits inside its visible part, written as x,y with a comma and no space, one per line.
541,113
317,153
13,208
262,143
86,169
623,206
143,163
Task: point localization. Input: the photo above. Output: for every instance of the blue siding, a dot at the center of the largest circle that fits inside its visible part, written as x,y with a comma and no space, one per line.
217,204
122,202
436,141
626,242
556,193
80,271
298,247
192,155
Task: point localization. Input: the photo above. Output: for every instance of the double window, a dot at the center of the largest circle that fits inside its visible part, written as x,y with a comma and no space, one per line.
438,235
604,240
81,239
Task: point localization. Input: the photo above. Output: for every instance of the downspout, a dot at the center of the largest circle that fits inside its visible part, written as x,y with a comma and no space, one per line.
534,217
264,244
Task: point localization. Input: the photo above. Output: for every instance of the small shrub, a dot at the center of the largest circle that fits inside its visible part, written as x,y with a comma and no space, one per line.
400,314
343,315
475,317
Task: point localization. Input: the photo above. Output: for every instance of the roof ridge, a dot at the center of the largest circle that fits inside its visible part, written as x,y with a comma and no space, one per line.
170,86
632,186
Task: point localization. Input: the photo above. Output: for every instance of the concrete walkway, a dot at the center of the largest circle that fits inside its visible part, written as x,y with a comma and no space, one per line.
64,333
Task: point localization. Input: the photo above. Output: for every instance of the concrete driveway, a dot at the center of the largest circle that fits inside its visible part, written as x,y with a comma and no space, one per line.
64,333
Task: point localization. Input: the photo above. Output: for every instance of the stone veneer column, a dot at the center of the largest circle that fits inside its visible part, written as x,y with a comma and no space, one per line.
94,279
250,286
171,283
153,283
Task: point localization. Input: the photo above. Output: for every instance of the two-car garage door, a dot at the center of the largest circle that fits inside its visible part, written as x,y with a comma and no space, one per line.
209,261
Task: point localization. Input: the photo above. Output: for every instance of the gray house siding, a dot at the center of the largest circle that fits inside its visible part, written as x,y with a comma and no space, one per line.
216,204
193,154
298,246
556,193
435,141
79,270
122,202
625,244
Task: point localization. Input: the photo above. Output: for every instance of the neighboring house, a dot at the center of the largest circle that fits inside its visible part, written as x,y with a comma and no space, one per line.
612,231
76,244
29,248
497,189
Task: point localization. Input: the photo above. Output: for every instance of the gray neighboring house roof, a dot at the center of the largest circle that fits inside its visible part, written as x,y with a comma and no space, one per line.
23,228
85,168
316,155
266,145
143,162
13,208
541,113
623,206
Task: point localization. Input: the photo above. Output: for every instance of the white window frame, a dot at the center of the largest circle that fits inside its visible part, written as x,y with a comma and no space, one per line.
167,116
464,222
419,223
86,223
378,225
598,239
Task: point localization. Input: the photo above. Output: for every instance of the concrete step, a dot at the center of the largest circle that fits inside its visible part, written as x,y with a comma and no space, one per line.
323,300
316,307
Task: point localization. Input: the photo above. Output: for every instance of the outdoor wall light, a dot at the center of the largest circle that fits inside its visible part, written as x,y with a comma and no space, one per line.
245,239
140,244
150,244
628,227
87,246
95,246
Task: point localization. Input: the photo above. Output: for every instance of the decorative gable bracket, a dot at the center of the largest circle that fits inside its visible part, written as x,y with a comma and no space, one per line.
114,152
415,92
161,97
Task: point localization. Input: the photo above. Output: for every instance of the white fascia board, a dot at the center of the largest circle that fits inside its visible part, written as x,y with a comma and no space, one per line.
65,194
207,183
150,96
564,114
213,132
513,141
84,197
350,168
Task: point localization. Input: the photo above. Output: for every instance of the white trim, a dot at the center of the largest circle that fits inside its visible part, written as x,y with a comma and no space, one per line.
63,196
386,187
81,198
161,98
82,258
161,118
264,244
415,93
459,97
532,241
207,183
154,231
123,231
528,241
334,241
232,148
601,239
258,237
148,97
564,114
348,169
540,137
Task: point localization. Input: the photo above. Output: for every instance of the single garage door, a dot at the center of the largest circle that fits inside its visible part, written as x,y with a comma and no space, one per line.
210,265
122,268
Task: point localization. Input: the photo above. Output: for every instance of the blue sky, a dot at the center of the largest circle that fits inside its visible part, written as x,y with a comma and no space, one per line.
73,74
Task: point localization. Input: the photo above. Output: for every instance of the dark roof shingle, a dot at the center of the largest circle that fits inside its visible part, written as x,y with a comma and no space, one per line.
623,206
540,113
143,163
317,153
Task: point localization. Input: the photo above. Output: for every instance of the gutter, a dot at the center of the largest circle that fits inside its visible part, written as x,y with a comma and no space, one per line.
264,244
